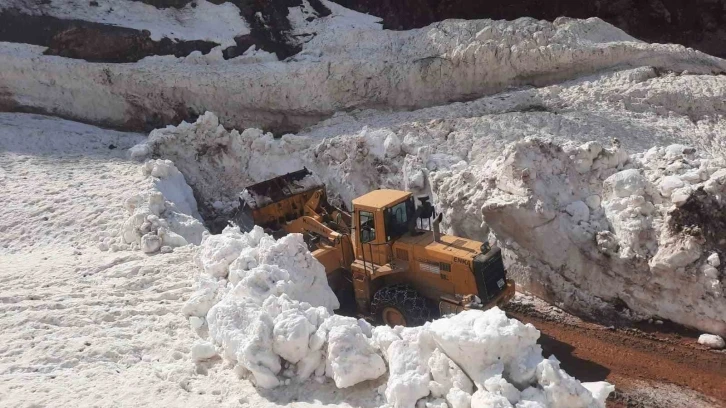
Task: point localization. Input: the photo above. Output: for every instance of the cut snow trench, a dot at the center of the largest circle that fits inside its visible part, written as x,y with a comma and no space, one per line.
565,188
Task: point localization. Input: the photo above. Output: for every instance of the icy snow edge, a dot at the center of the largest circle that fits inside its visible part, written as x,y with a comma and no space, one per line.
265,306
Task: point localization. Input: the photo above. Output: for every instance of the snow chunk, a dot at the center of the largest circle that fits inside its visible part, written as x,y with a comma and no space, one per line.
409,374
351,358
446,375
626,183
218,251
711,340
485,399
714,260
492,337
150,243
670,183
203,350
579,211
563,391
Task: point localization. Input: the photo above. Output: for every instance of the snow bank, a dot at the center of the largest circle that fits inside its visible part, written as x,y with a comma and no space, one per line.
265,307
162,217
345,65
590,224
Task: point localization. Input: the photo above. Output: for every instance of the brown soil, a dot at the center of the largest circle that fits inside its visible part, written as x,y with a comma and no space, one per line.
630,358
700,24
91,41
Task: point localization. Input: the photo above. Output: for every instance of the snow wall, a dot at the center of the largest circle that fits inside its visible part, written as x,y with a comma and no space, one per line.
585,225
265,307
349,63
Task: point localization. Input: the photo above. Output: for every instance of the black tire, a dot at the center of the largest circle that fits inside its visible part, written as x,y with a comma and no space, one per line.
406,300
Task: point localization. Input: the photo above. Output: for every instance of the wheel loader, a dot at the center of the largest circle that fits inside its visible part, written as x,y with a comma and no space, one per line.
385,259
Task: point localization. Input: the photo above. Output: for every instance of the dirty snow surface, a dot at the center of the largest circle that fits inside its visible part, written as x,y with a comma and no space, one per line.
205,21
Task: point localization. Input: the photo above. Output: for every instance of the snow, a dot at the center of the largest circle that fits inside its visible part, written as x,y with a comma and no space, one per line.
203,350
492,185
164,216
207,21
272,310
712,341
583,219
64,192
628,243
275,324
344,67
136,333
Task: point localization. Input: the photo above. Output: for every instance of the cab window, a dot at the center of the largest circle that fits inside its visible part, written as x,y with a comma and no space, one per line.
397,218
367,227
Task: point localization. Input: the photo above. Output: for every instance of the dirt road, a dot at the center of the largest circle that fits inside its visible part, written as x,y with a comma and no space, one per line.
651,366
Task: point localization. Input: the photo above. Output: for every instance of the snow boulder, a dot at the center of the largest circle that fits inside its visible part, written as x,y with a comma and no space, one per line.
497,341
712,341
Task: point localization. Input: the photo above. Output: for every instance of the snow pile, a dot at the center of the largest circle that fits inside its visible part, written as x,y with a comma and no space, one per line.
219,164
350,62
712,341
589,223
162,217
478,359
265,307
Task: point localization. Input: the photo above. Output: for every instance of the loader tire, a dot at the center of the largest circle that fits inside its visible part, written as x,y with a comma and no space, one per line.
400,305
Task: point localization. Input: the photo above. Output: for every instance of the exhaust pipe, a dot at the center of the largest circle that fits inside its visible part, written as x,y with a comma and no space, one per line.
437,232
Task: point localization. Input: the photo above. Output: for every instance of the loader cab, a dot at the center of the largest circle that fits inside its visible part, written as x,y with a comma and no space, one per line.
379,218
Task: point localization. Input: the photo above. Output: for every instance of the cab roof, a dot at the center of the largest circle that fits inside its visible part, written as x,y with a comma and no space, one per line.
381,198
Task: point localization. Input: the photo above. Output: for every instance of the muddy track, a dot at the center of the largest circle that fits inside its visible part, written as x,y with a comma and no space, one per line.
641,365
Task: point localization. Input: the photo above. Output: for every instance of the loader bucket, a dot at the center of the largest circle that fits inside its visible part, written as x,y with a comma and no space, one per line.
273,202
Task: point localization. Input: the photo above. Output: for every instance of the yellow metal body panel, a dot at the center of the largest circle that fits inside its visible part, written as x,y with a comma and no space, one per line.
440,268
437,269
378,199
331,258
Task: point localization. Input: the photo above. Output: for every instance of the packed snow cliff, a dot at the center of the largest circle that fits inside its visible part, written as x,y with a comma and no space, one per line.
347,63
265,307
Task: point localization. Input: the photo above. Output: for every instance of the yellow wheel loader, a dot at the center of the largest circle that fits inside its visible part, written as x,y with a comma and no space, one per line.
379,255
